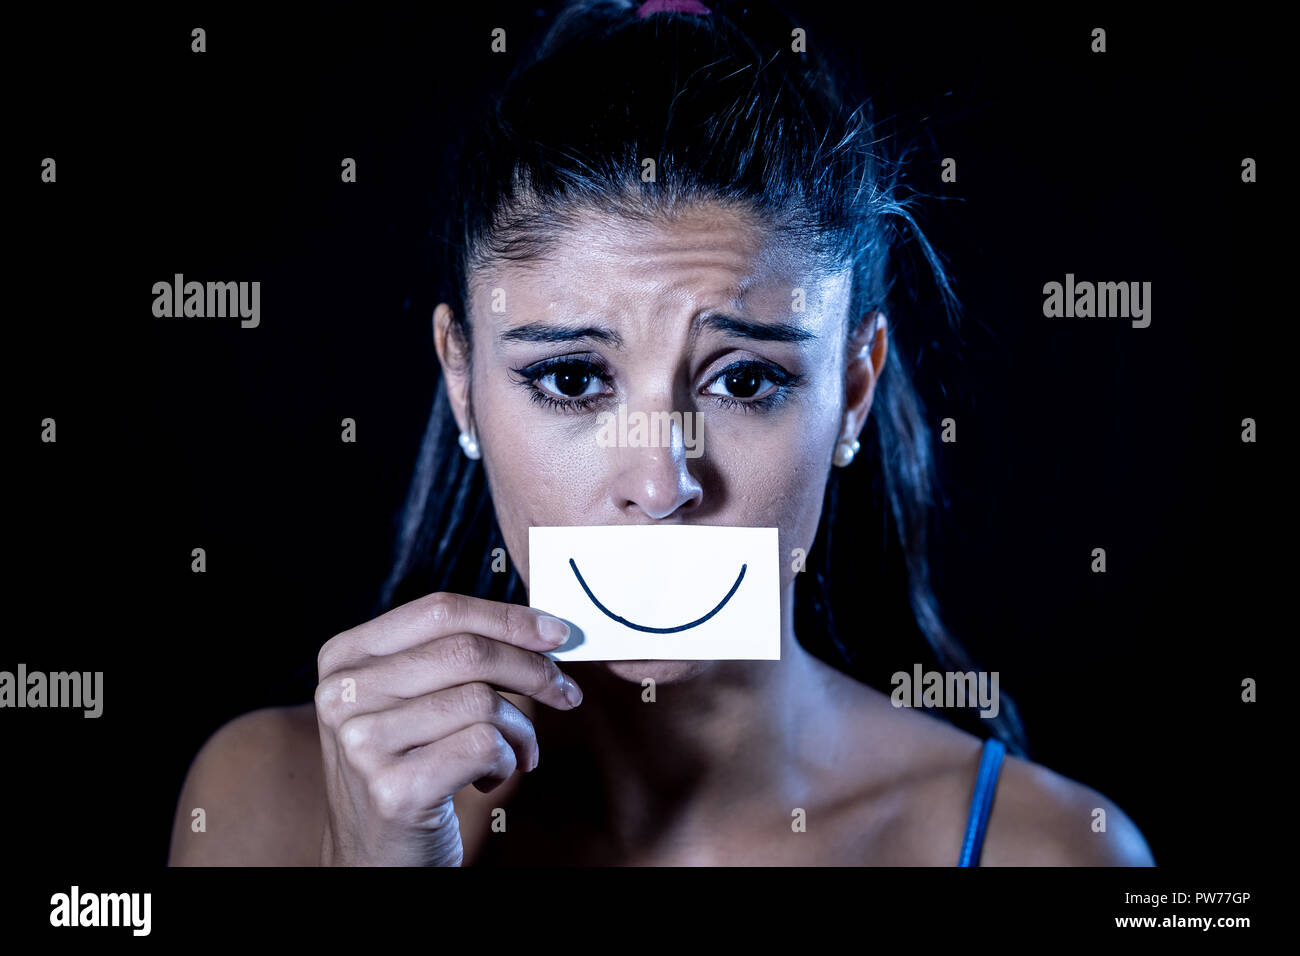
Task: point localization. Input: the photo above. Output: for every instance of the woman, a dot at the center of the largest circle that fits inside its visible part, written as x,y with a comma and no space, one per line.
674,213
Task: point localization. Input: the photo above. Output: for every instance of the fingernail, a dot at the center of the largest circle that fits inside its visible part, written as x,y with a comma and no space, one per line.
572,692
553,629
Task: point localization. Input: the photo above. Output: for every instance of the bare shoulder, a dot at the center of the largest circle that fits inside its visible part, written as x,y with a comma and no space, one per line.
926,767
259,782
1041,818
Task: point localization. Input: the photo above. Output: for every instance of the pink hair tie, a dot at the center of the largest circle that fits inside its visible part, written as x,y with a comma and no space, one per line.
671,6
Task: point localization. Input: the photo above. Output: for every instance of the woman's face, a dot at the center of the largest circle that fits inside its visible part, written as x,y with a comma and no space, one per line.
705,315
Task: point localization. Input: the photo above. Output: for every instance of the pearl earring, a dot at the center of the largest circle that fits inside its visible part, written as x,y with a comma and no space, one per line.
469,445
844,453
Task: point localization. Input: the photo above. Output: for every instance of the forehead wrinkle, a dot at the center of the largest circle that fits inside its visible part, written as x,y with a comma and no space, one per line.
718,261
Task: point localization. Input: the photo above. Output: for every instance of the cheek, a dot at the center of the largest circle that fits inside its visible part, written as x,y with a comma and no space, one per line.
778,461
544,469
780,481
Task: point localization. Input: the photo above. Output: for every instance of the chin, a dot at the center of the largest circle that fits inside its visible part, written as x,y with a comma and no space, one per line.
661,672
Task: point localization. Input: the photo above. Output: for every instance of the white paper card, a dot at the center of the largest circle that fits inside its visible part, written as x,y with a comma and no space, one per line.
659,592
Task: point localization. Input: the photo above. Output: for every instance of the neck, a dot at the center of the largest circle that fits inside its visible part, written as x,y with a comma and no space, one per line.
711,740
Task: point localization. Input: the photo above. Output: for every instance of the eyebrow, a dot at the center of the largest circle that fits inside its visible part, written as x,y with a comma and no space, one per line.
761,331
540,332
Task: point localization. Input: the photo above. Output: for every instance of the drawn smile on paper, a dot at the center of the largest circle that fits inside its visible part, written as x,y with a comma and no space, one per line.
657,630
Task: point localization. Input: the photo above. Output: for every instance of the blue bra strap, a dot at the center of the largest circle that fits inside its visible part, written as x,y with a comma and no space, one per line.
981,803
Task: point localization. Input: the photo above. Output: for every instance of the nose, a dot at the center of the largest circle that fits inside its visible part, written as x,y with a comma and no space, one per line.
652,475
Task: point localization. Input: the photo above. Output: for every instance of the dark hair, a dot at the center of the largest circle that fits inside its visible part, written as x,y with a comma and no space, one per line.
729,113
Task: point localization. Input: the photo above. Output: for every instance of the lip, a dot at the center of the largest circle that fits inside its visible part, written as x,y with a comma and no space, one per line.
657,630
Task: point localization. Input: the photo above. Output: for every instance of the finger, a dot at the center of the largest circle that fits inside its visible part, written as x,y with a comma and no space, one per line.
437,615
478,754
374,739
437,665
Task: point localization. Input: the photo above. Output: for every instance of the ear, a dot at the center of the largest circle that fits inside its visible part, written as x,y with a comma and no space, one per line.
453,356
867,350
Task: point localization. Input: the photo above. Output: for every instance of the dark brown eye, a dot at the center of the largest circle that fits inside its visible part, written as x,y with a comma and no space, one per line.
571,381
744,382
565,379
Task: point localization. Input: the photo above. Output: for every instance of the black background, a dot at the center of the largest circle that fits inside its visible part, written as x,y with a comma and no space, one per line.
175,434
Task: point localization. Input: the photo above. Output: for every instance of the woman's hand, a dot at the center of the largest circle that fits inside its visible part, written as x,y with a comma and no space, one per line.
409,714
